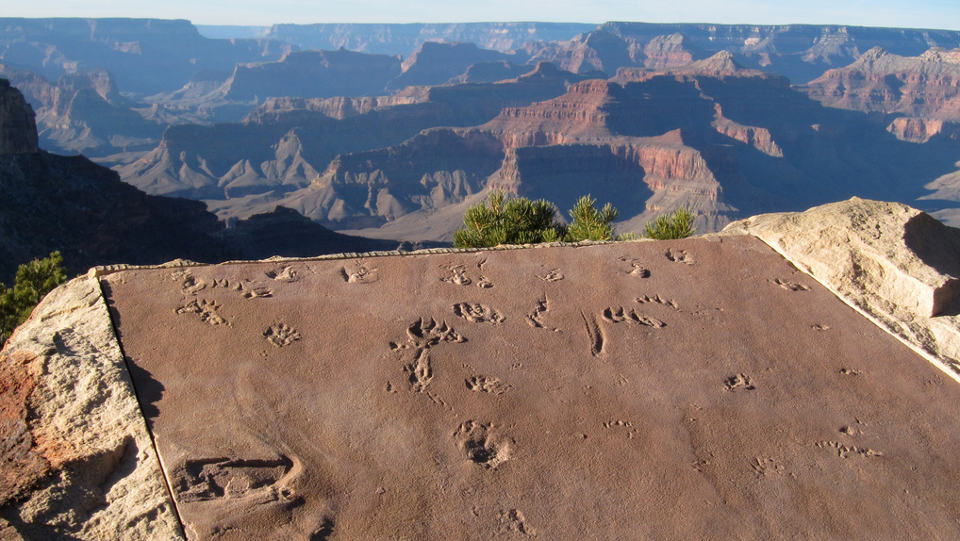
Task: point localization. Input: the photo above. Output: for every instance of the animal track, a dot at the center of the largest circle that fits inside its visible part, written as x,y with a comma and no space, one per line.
421,336
513,521
636,268
790,286
247,288
849,371
594,334
281,335
764,466
455,274
618,315
657,300
481,446
419,371
213,478
846,451
554,275
284,274
631,432
820,327
477,313
483,384
739,381
426,333
207,310
359,273
680,256
534,318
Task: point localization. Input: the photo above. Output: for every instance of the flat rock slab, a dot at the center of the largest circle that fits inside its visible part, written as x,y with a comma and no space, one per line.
702,388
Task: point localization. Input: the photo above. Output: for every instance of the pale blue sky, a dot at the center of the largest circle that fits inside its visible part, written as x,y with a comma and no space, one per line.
944,14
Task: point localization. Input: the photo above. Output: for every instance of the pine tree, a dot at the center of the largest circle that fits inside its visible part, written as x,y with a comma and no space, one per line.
502,220
33,281
678,225
590,223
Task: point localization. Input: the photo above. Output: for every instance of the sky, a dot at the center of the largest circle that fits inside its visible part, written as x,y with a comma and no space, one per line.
941,14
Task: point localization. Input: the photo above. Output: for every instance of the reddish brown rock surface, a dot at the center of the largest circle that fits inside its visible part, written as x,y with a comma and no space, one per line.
683,389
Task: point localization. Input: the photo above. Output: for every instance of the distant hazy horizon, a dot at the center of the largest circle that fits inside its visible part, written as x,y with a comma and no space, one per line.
932,14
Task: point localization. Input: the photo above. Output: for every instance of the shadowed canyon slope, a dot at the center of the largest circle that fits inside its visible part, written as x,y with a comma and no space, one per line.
50,202
704,385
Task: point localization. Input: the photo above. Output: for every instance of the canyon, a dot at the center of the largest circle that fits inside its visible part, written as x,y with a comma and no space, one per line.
392,132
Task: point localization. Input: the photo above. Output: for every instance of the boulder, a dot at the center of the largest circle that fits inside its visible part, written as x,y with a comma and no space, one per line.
78,462
894,262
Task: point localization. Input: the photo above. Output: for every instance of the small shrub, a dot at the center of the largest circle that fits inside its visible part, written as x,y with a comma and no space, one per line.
678,225
33,281
502,220
589,223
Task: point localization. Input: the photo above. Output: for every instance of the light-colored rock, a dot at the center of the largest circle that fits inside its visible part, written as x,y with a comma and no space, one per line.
93,470
894,262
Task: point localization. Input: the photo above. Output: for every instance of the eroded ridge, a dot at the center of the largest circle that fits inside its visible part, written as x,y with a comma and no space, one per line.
481,445
790,286
679,256
645,299
359,273
214,478
477,313
281,335
206,310
484,384
619,315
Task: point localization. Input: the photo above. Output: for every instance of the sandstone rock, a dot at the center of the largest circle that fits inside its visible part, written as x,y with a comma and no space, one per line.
894,262
78,460
18,128
489,394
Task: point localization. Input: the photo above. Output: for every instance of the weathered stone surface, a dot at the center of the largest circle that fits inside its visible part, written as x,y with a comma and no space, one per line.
78,462
894,262
702,388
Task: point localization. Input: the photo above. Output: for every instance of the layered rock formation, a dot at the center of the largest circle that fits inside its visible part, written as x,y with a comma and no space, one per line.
925,86
146,56
404,39
312,74
50,202
435,63
799,52
287,141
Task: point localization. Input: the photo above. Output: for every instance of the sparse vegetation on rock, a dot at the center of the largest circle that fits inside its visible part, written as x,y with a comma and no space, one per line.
34,280
678,225
514,220
588,222
499,219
